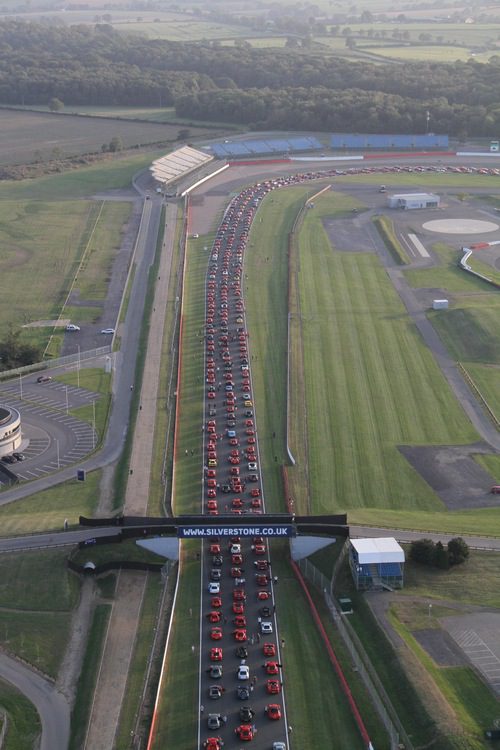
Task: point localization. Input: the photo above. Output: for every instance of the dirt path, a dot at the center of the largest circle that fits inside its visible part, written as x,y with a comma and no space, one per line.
122,631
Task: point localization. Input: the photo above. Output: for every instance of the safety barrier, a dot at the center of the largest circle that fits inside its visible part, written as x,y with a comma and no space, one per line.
331,654
364,668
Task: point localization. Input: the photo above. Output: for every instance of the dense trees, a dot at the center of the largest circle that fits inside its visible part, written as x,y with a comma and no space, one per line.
425,552
262,88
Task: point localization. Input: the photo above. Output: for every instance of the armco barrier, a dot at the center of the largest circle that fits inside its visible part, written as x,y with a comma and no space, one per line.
331,654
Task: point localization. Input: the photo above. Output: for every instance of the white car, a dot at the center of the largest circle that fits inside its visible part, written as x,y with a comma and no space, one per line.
243,672
108,330
279,746
252,466
214,588
266,628
235,549
72,327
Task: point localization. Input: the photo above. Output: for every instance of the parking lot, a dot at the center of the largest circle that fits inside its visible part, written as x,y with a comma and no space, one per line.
52,438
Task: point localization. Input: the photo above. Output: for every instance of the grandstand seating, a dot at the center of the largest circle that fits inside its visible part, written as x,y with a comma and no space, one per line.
179,163
261,146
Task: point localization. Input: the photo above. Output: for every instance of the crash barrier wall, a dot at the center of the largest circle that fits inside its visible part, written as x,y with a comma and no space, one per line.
291,242
117,565
361,660
336,665
68,359
465,266
480,396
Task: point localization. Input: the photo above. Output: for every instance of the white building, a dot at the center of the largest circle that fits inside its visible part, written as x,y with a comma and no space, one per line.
413,200
376,563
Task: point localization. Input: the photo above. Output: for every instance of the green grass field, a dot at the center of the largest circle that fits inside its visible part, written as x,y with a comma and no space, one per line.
35,619
24,720
49,248
375,385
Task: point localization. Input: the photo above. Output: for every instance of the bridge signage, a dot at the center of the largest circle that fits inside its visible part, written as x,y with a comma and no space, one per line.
234,529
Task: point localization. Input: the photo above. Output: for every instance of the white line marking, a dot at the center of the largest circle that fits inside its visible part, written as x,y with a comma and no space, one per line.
421,249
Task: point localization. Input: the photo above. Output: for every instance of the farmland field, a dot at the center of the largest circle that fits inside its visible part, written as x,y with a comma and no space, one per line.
30,136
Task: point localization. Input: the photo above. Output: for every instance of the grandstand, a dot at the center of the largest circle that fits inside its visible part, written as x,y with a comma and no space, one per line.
264,146
179,163
387,141
376,563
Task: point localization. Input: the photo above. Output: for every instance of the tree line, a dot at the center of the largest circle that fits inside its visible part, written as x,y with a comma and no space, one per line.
260,88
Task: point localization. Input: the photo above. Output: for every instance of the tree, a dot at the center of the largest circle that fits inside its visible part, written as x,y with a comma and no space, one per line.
441,559
422,551
458,551
115,144
55,104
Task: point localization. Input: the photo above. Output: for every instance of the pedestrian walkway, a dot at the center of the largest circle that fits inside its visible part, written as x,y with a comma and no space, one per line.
122,631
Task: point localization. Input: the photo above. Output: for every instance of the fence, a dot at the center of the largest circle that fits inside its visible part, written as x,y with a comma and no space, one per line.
381,701
68,359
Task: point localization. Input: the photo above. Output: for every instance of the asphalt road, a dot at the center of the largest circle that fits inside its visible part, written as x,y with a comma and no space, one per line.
233,486
51,705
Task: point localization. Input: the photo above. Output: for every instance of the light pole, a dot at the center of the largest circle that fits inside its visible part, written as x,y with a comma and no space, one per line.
427,118
57,448
93,425
78,368
430,611
20,386
67,403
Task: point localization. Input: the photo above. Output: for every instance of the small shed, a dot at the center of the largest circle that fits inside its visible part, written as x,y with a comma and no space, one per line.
440,304
408,201
376,563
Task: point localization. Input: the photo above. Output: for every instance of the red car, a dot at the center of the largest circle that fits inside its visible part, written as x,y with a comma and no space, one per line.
273,711
211,492
211,473
259,549
271,667
216,634
262,595
236,559
261,579
273,687
215,601
240,635
239,595
269,649
238,609
244,732
237,502
241,622
261,564
216,654
255,492
212,505
213,743
214,616
256,502
215,549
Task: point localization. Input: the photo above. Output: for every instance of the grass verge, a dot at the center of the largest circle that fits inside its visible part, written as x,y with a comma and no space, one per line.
88,676
121,473
24,726
385,228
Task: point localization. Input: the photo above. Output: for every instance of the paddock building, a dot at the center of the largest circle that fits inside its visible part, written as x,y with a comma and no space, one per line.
408,201
376,563
10,430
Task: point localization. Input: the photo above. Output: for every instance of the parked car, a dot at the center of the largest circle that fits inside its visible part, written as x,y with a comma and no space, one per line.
72,327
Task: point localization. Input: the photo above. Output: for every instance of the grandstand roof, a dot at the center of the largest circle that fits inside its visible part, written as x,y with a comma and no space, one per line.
181,162
379,550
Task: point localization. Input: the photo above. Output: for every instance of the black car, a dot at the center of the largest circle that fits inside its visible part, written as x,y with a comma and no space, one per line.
217,561
265,611
249,413
243,693
8,459
226,488
241,652
215,574
246,714
19,456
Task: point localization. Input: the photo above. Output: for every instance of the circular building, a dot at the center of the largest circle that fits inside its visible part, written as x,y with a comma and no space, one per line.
10,430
